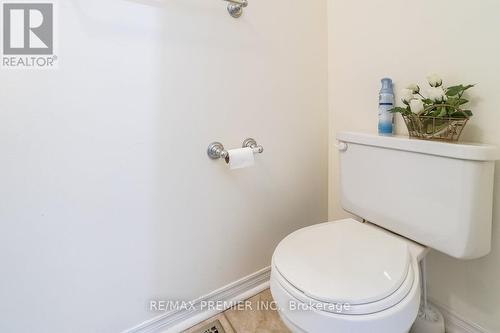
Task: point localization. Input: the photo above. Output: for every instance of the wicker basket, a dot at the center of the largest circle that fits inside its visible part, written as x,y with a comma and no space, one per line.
435,128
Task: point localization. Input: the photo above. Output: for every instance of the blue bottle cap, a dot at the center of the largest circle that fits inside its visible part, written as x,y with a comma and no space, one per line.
386,86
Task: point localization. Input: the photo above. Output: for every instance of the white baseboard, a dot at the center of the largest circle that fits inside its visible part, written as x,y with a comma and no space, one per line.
456,324
179,320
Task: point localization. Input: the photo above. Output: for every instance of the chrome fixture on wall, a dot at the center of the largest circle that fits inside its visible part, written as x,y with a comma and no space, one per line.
216,150
235,7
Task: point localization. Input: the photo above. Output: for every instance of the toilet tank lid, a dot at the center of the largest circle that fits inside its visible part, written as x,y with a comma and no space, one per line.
462,150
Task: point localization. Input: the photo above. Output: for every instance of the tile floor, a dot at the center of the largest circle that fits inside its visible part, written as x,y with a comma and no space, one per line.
256,316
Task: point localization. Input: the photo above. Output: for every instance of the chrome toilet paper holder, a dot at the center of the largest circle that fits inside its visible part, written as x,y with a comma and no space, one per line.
216,150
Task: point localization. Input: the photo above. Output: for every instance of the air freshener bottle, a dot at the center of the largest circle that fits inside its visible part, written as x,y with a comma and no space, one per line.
385,104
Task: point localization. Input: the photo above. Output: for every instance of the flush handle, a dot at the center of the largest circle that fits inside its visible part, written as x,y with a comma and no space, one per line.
341,146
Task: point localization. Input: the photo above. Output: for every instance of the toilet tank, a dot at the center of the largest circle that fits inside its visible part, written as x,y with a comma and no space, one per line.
435,193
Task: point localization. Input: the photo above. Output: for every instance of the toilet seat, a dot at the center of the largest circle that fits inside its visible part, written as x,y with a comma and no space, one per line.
345,263
308,304
347,308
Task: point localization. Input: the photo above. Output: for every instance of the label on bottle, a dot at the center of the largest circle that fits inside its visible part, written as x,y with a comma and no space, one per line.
386,118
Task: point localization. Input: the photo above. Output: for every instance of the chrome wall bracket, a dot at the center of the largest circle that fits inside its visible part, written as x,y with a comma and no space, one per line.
251,143
235,7
216,150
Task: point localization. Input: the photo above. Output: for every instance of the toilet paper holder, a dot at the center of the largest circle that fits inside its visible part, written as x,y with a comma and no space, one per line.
216,150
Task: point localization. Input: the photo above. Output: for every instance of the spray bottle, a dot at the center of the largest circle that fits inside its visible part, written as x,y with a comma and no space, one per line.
386,103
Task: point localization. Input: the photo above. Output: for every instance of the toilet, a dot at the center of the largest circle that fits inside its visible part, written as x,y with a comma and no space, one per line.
407,196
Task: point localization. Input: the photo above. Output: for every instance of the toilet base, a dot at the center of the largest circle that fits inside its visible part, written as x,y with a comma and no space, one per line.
289,324
429,320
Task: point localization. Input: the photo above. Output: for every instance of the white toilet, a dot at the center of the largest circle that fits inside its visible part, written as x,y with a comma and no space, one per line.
353,277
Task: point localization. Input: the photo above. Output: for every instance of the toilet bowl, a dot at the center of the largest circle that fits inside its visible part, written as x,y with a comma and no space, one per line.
346,276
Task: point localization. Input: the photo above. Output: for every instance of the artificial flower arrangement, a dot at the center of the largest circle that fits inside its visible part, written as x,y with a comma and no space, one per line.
440,115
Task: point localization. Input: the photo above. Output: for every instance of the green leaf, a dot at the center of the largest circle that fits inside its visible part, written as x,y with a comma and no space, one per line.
399,109
453,101
461,114
455,90
434,113
456,102
443,112
467,87
468,112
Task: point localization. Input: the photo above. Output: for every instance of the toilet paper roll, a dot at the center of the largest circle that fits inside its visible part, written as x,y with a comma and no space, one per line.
240,158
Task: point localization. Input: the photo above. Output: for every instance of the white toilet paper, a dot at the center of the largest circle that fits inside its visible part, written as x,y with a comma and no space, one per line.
240,158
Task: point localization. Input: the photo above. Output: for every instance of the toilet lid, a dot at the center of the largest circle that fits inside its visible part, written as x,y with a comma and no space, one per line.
343,262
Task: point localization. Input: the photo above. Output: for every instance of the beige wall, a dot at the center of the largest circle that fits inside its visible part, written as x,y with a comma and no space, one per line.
406,40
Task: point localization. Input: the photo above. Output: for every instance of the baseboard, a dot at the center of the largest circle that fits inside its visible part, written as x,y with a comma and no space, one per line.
455,323
179,320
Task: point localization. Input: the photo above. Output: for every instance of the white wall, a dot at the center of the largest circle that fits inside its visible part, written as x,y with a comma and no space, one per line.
107,197
406,40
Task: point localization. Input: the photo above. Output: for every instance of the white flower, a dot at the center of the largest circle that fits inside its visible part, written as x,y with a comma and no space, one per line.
437,94
416,105
406,95
435,80
414,88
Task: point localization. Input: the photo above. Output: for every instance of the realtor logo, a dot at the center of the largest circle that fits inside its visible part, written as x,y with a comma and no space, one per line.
28,35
